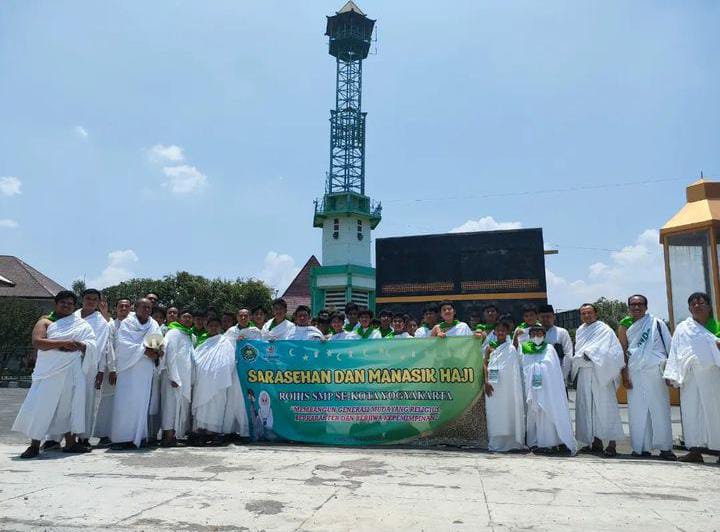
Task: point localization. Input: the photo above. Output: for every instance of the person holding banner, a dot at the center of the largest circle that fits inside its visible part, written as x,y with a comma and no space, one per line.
646,341
547,412
597,362
339,332
259,317
694,367
244,330
218,405
279,327
449,326
430,318
504,405
385,330
351,314
303,330
366,331
411,325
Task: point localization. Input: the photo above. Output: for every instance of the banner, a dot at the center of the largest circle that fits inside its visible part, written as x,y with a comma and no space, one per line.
357,392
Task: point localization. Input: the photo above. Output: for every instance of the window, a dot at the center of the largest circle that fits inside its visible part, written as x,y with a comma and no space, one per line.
336,228
359,230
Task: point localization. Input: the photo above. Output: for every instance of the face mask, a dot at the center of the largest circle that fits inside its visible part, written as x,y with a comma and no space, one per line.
537,340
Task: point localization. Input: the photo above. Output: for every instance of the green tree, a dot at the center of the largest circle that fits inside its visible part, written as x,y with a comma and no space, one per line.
17,319
185,290
78,286
611,311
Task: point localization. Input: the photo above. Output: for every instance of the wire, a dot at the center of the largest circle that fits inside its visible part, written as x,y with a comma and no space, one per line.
537,191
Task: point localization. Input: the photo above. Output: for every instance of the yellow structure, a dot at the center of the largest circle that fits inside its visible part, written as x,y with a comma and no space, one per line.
690,242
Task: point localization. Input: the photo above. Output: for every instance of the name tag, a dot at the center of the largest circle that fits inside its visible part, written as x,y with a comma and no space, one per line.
537,380
493,375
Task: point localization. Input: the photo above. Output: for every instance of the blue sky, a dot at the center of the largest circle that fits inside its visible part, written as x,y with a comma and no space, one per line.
141,138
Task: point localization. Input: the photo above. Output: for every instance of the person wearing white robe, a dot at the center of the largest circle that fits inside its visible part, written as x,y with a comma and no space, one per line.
694,367
279,327
449,326
398,327
597,362
136,367
337,323
485,330
91,367
504,404
108,367
244,329
352,311
431,315
176,380
522,331
557,337
55,403
218,405
303,329
548,426
366,331
646,341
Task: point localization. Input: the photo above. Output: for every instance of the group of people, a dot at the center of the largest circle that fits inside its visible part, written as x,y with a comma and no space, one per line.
168,374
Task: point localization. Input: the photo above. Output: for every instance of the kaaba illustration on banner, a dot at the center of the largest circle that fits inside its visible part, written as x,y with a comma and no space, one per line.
506,268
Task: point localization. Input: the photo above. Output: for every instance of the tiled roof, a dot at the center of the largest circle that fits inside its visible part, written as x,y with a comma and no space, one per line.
28,282
300,286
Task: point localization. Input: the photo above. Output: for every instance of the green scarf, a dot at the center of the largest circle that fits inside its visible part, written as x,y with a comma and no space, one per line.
250,324
365,334
52,316
427,326
180,327
444,326
713,326
494,344
389,333
627,321
485,327
349,328
200,335
529,348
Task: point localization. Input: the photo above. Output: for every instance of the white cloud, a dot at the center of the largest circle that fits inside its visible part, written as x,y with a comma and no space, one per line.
7,223
119,269
184,179
171,153
636,268
81,132
9,186
279,270
486,223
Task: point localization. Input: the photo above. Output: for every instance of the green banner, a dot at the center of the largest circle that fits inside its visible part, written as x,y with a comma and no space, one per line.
357,392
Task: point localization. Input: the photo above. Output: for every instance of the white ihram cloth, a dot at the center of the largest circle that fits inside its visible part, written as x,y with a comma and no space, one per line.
557,335
306,333
101,328
694,366
344,335
402,335
459,329
423,331
373,335
103,418
505,408
547,411
648,399
236,332
597,414
55,403
281,331
218,404
176,367
134,381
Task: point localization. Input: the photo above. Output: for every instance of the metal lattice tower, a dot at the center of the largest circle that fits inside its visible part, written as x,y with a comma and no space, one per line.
350,34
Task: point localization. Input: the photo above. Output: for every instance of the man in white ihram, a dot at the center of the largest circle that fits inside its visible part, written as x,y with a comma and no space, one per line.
136,365
55,403
597,361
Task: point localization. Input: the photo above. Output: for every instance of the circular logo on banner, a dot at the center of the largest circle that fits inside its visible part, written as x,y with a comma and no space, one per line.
249,353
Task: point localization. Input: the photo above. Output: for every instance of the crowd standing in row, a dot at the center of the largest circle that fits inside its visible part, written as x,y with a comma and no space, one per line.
170,373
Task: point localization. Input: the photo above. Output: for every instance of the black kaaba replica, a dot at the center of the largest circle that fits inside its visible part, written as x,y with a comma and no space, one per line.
506,268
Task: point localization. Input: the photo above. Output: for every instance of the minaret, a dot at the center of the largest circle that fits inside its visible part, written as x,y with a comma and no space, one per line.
345,214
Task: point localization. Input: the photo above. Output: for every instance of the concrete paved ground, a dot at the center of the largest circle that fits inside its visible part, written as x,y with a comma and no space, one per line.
293,487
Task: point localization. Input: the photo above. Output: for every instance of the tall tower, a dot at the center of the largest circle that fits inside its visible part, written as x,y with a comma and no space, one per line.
345,214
